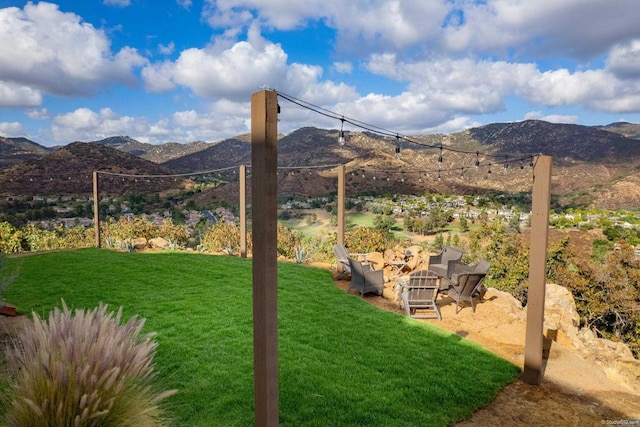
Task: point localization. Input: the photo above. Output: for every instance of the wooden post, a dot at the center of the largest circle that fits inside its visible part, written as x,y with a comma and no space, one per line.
243,210
264,190
341,194
540,205
96,209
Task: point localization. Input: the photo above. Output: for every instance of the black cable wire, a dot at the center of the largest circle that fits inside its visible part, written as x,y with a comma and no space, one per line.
374,129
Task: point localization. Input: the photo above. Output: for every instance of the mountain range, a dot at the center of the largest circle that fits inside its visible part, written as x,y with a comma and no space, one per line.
593,166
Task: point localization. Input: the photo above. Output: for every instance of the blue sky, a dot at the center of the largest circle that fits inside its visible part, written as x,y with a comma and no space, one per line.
184,70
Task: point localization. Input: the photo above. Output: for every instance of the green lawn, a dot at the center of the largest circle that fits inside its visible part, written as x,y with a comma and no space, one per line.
342,361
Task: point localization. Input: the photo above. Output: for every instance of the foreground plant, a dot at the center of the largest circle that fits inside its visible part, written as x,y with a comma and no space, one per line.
84,370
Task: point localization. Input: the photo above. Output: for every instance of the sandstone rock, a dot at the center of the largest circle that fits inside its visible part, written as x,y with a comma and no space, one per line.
376,259
389,256
560,314
139,243
160,243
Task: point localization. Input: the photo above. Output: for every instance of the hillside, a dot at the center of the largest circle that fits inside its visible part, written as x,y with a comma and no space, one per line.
155,153
593,166
630,130
69,170
16,150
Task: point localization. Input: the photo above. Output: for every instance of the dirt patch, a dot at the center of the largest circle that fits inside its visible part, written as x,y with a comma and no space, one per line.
574,391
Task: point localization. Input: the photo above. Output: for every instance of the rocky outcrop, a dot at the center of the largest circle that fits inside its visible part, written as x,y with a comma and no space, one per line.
562,325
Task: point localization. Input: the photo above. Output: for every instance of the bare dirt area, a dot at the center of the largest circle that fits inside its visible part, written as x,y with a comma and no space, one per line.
574,391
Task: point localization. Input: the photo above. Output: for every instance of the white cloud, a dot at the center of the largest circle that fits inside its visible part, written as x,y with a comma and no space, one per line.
552,118
343,67
624,60
471,86
11,129
159,77
167,49
15,95
37,114
186,4
85,124
222,120
581,28
39,49
117,3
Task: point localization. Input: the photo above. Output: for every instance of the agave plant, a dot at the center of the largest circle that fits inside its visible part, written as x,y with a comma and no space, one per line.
84,370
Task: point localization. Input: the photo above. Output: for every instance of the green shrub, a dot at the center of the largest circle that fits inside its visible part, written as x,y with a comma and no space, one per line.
10,238
222,237
176,234
507,253
367,239
84,370
288,240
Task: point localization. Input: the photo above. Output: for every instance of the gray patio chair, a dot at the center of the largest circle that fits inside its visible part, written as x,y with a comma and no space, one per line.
363,280
343,261
443,263
420,293
466,287
481,267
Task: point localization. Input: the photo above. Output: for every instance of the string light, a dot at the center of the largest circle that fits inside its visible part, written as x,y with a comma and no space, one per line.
477,160
341,140
366,126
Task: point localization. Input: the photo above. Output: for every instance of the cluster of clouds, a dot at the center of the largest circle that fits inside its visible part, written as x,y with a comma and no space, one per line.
451,59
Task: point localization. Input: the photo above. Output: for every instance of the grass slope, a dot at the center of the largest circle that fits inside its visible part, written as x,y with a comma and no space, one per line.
342,362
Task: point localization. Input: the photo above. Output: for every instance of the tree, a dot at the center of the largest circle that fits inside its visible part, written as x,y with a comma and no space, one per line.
464,224
384,223
506,252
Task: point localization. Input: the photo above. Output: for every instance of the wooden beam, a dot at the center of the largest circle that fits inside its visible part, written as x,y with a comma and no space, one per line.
540,205
96,210
264,189
242,172
341,203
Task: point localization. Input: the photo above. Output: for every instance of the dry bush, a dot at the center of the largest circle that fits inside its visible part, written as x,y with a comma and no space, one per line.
84,370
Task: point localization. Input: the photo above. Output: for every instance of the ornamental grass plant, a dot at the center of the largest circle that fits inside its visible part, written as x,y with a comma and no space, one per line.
84,369
342,361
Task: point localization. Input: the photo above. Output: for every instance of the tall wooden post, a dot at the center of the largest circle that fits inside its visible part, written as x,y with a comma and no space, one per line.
264,189
243,210
341,195
96,209
540,205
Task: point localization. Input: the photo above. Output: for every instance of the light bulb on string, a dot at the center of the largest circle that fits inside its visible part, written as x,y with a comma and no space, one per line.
440,157
477,160
397,146
341,140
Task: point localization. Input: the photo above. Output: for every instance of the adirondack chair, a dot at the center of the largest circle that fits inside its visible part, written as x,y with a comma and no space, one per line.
466,283
343,261
420,293
363,280
443,263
